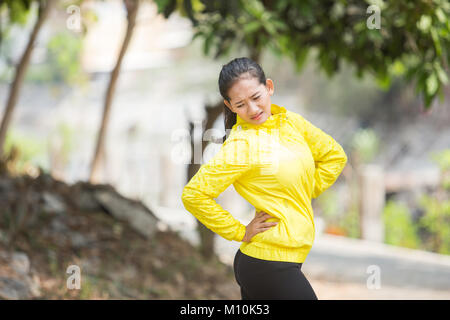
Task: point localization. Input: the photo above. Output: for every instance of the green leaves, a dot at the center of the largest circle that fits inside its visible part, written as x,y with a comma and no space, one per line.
254,8
432,84
63,61
424,23
17,11
431,79
441,15
400,230
384,81
327,62
441,75
166,7
436,42
252,26
301,57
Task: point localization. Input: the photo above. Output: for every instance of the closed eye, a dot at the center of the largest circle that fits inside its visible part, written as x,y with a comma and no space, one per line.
254,98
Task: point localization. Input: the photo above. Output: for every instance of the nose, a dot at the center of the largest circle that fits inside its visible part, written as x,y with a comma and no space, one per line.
254,110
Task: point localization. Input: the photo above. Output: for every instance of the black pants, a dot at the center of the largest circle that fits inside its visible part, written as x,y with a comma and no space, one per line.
271,280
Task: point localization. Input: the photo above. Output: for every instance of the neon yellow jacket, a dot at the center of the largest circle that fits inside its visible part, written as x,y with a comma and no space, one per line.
277,166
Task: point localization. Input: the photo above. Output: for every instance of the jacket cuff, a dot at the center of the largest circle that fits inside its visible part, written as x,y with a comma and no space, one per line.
240,234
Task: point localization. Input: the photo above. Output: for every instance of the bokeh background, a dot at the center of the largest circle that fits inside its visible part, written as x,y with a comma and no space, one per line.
104,106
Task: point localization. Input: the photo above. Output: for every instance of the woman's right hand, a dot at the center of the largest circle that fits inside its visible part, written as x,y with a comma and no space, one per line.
258,225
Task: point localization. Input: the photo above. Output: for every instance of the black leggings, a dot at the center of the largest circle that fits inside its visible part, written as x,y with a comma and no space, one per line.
271,280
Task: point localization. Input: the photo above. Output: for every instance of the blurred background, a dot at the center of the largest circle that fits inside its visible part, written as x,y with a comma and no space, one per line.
105,105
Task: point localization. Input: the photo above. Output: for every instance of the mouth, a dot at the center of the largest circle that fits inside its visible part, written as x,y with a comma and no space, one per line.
257,117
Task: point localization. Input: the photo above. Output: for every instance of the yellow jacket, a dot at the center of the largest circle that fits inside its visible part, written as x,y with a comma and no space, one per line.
277,166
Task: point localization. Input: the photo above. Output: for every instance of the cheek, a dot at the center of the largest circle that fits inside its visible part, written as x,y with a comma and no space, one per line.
266,101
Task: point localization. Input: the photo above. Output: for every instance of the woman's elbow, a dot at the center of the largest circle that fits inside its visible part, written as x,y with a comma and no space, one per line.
342,162
344,159
186,195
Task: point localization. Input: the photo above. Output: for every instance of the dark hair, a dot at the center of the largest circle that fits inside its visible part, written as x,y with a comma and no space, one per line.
231,72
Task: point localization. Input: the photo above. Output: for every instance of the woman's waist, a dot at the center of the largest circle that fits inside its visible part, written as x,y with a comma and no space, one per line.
269,262
273,252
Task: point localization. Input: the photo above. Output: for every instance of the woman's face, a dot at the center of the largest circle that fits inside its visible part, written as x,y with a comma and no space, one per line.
251,99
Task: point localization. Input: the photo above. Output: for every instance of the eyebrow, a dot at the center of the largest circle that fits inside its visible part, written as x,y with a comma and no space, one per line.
250,97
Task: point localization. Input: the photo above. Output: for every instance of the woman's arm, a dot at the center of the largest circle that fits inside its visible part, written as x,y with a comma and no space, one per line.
329,157
213,177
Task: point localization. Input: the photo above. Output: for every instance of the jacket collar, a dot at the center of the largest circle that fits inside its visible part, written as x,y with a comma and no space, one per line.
278,113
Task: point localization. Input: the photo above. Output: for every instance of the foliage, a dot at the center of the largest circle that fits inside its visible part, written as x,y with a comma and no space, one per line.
15,11
12,13
432,230
399,229
411,41
351,223
436,219
436,222
63,49
27,152
63,61
28,148
443,160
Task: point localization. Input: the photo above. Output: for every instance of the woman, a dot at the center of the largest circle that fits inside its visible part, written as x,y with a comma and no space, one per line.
277,161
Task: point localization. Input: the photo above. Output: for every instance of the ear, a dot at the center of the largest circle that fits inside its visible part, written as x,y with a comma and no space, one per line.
270,86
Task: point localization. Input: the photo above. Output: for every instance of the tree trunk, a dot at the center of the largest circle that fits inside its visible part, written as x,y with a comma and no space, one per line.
132,10
44,9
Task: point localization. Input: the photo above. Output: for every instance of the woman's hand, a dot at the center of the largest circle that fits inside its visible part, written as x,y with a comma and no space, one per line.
258,225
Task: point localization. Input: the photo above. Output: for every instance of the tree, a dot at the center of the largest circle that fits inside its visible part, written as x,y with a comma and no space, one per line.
16,11
402,39
132,7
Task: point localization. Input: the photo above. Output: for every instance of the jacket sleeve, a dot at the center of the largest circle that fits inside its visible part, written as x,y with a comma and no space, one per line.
329,157
213,177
